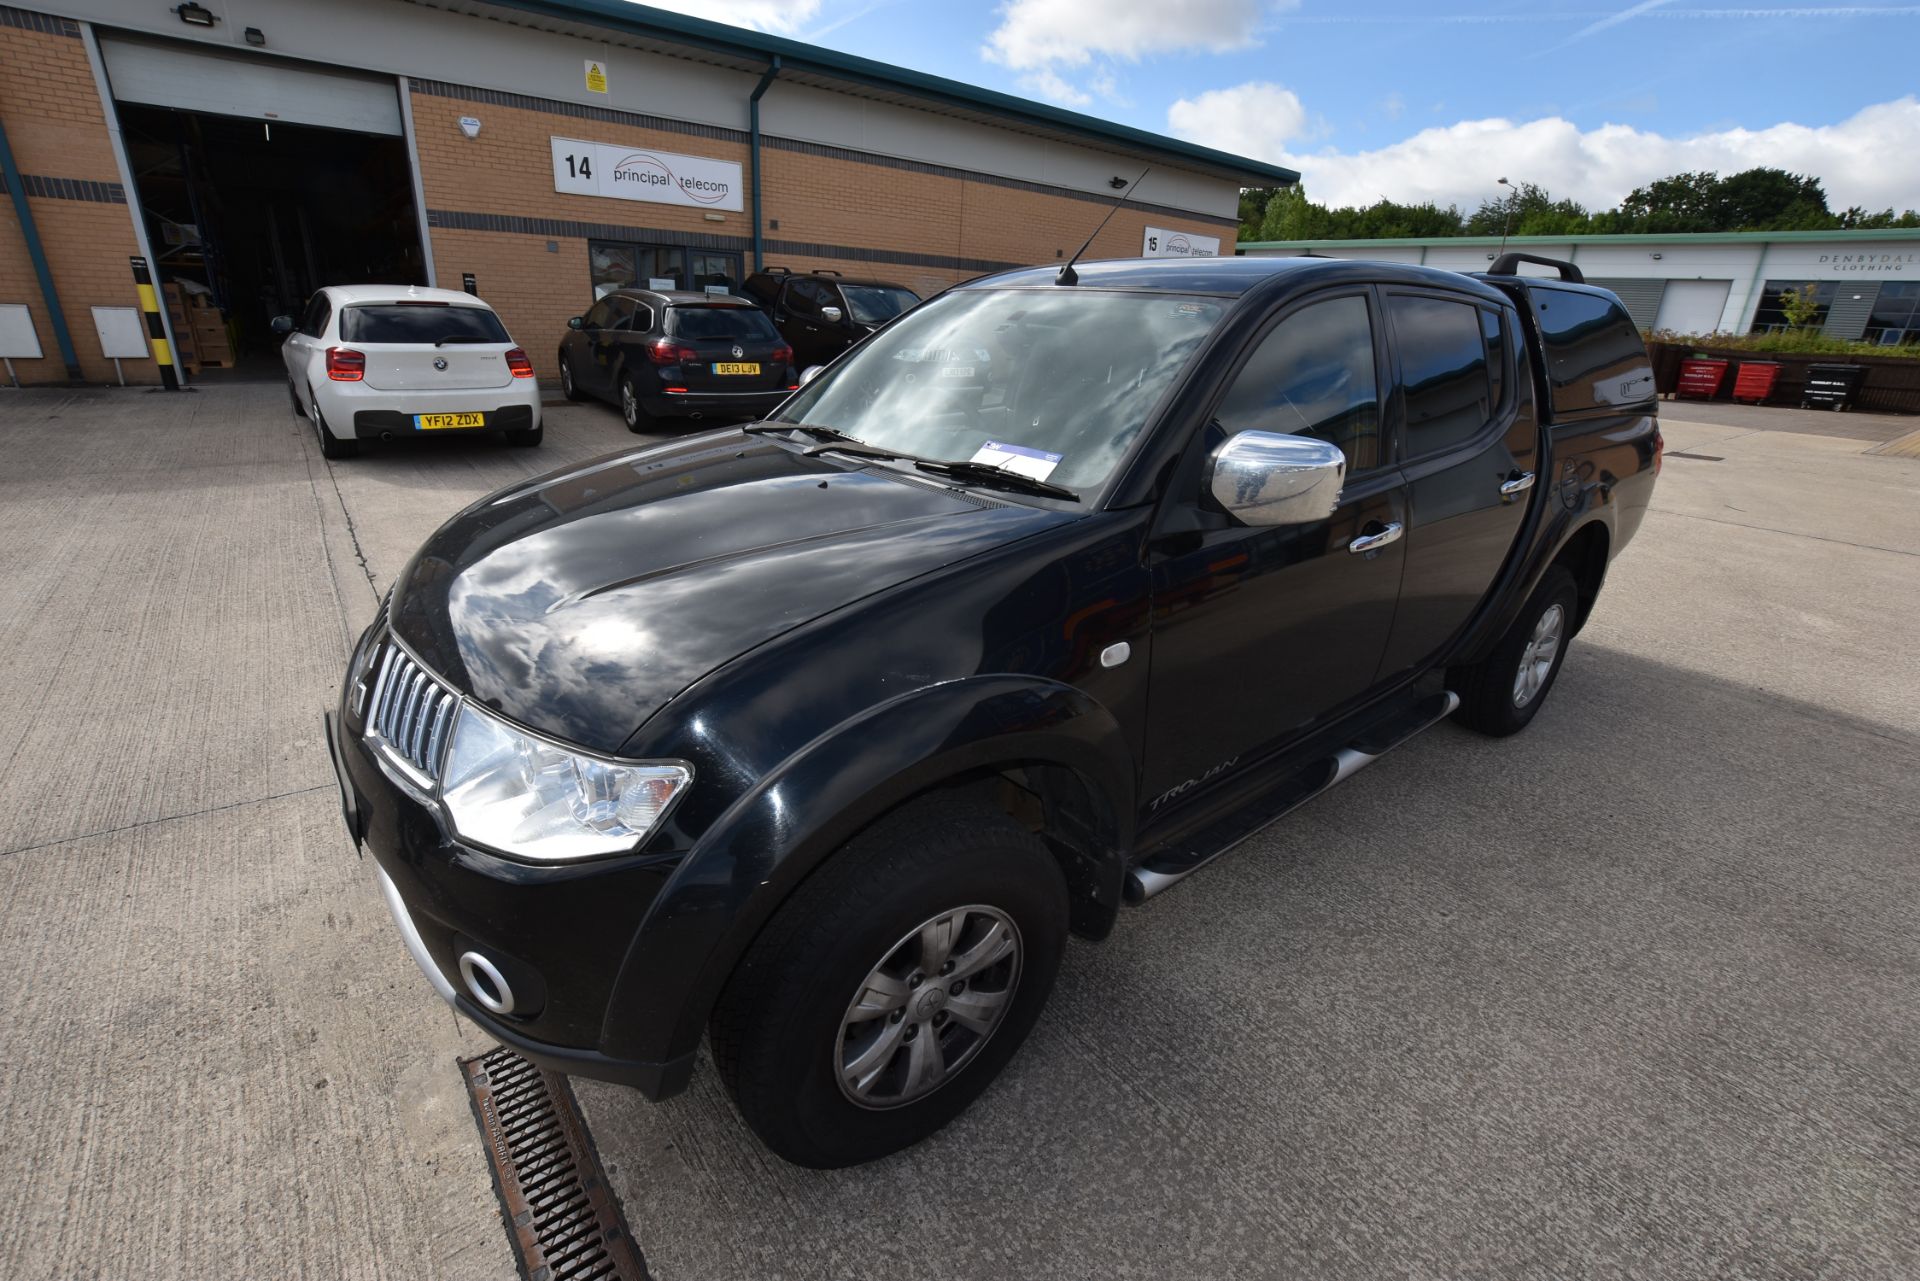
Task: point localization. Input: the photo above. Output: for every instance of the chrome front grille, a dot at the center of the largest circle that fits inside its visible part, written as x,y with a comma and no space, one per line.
411,713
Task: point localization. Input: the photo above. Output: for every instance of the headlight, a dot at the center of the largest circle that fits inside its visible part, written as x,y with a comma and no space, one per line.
531,798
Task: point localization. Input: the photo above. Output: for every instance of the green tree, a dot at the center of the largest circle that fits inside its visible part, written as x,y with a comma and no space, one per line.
1801,306
1527,210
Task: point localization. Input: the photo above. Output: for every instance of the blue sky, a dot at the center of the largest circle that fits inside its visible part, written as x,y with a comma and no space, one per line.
1436,100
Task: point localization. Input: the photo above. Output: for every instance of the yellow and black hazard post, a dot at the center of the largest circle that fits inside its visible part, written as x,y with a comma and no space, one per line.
156,330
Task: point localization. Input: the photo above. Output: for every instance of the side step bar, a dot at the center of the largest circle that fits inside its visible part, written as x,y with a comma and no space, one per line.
1166,868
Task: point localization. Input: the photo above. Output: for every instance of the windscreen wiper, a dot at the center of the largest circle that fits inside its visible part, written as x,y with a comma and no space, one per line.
994,474
769,428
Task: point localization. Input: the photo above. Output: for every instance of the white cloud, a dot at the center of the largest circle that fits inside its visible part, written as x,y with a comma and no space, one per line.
1258,119
1040,33
1048,84
1457,164
785,17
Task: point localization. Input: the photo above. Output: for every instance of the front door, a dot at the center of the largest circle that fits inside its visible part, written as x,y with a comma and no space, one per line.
1259,633
1469,448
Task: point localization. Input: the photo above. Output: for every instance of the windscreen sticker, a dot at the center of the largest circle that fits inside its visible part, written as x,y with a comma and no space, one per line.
1037,463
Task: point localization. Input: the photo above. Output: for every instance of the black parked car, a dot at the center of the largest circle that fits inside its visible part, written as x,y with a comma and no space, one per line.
817,737
667,355
823,313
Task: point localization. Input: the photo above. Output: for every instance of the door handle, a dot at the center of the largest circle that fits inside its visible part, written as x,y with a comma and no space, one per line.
1518,485
1374,542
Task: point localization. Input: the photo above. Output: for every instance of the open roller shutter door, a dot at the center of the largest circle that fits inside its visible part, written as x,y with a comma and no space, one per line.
187,78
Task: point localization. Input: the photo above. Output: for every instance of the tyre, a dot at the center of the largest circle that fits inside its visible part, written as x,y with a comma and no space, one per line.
1503,692
331,446
299,410
638,420
567,388
894,985
528,438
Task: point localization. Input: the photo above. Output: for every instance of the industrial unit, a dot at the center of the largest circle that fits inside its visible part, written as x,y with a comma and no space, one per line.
1867,283
535,152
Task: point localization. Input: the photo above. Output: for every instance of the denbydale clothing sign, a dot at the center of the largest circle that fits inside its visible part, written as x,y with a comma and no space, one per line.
637,173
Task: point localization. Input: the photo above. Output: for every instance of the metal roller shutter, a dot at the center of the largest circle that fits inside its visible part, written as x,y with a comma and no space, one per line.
1641,297
186,78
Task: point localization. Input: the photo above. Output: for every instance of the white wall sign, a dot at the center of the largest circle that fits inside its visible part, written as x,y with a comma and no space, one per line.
1162,243
17,339
122,332
636,173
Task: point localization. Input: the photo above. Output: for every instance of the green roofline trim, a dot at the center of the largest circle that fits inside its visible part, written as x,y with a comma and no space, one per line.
620,15
1608,238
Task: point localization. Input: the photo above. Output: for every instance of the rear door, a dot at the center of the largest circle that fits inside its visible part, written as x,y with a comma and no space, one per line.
814,343
606,330
736,349
423,346
1469,441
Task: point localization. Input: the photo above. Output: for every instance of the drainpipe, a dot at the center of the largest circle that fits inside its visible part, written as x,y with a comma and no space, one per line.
58,318
753,130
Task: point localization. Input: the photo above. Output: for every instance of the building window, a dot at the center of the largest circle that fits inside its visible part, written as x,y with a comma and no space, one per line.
620,264
1896,315
1770,317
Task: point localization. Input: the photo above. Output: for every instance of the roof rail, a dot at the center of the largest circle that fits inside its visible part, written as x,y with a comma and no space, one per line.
777,271
1509,265
825,271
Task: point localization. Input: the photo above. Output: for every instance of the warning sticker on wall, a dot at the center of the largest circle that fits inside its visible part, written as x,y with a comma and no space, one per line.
596,76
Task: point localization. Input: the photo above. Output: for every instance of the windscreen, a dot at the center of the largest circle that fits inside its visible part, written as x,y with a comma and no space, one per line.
1055,382
412,322
877,304
726,323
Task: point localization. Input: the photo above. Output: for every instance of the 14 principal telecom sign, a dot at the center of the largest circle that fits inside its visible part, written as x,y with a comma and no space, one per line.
635,173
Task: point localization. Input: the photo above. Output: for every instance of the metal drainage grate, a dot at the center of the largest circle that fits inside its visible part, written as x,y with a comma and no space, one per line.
561,1216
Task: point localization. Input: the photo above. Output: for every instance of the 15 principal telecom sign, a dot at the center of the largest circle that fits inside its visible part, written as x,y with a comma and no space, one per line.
635,173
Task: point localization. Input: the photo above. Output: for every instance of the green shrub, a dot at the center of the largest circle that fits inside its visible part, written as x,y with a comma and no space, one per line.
1796,342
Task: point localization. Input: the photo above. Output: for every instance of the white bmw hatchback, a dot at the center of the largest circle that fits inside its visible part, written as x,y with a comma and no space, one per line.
378,362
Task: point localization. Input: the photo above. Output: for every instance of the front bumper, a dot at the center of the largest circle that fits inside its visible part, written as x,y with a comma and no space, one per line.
560,933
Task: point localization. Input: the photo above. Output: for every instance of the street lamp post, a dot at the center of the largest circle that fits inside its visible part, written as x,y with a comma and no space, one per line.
1506,219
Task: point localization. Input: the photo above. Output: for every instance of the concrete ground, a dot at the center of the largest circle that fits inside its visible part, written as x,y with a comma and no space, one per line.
1631,994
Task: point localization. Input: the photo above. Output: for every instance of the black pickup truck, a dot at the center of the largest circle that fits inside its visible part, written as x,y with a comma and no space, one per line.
817,737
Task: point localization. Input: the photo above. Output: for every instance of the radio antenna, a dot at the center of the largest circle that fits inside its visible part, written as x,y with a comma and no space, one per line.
1068,276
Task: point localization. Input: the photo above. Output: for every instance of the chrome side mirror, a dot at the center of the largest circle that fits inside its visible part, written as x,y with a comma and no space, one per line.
1265,478
810,373
830,314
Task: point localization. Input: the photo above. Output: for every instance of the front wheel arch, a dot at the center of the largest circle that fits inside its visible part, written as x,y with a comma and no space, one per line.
1069,767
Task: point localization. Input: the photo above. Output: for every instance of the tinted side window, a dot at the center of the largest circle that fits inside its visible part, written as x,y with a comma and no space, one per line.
1594,354
599,316
319,312
1443,371
1313,376
1493,327
621,313
809,296
761,288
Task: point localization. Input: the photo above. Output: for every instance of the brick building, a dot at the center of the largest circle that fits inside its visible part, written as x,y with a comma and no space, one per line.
254,150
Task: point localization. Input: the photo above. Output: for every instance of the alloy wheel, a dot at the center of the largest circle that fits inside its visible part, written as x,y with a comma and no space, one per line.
629,404
1536,659
923,1013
